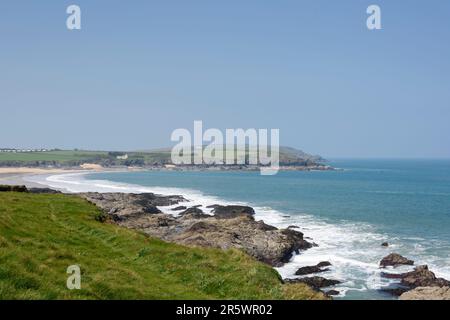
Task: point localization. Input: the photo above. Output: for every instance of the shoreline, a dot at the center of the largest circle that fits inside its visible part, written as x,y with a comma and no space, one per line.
314,232
17,175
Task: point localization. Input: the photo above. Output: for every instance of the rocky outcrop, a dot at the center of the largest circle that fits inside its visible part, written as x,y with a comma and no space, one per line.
122,206
332,293
227,212
427,293
313,269
229,227
194,213
394,260
179,208
315,282
12,188
8,188
421,276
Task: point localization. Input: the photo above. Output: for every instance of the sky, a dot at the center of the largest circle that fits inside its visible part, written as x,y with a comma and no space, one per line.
137,70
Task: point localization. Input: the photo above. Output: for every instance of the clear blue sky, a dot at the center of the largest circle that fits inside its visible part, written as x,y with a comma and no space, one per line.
139,69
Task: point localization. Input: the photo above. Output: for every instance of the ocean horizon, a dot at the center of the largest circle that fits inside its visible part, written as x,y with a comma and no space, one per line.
348,213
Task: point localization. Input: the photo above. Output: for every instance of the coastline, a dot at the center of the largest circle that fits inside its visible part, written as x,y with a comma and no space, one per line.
18,175
335,240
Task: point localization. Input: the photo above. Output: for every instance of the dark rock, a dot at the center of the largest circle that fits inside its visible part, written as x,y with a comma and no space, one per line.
213,206
7,188
332,293
394,260
43,190
229,212
179,208
191,210
391,275
296,238
313,269
315,282
308,270
395,289
146,199
293,227
324,264
422,277
385,244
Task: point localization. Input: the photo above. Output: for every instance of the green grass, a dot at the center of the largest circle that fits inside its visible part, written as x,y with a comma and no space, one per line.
138,158
61,156
41,235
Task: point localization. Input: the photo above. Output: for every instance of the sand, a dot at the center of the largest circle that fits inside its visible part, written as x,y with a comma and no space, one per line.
15,175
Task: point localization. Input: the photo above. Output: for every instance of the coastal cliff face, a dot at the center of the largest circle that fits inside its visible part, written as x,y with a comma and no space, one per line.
229,227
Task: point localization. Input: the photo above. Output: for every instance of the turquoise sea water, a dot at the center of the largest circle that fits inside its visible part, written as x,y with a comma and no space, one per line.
348,212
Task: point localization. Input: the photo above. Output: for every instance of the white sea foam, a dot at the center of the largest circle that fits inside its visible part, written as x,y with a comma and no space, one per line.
354,249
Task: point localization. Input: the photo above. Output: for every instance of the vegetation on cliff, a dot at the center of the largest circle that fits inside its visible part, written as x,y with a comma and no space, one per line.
42,234
72,158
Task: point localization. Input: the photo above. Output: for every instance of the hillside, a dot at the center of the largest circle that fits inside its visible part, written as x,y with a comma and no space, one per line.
71,158
41,235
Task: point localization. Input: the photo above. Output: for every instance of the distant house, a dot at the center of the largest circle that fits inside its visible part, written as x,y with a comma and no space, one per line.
122,157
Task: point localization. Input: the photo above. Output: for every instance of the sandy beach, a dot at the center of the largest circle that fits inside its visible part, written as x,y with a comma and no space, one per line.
15,175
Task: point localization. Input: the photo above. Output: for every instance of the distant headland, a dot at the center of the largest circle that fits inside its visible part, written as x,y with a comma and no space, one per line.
290,159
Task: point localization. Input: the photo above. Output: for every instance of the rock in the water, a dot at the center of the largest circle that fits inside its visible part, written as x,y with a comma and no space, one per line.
179,208
315,282
308,270
395,289
394,260
324,264
427,293
385,244
313,269
229,212
420,277
332,293
391,275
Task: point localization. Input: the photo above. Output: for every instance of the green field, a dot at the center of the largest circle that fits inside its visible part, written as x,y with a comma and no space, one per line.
288,156
78,157
61,156
41,235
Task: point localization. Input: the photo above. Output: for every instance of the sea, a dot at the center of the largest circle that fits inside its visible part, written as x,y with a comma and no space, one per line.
348,212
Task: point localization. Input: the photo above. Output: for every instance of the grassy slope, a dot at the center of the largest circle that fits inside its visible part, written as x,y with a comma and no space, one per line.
41,235
60,156
64,157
